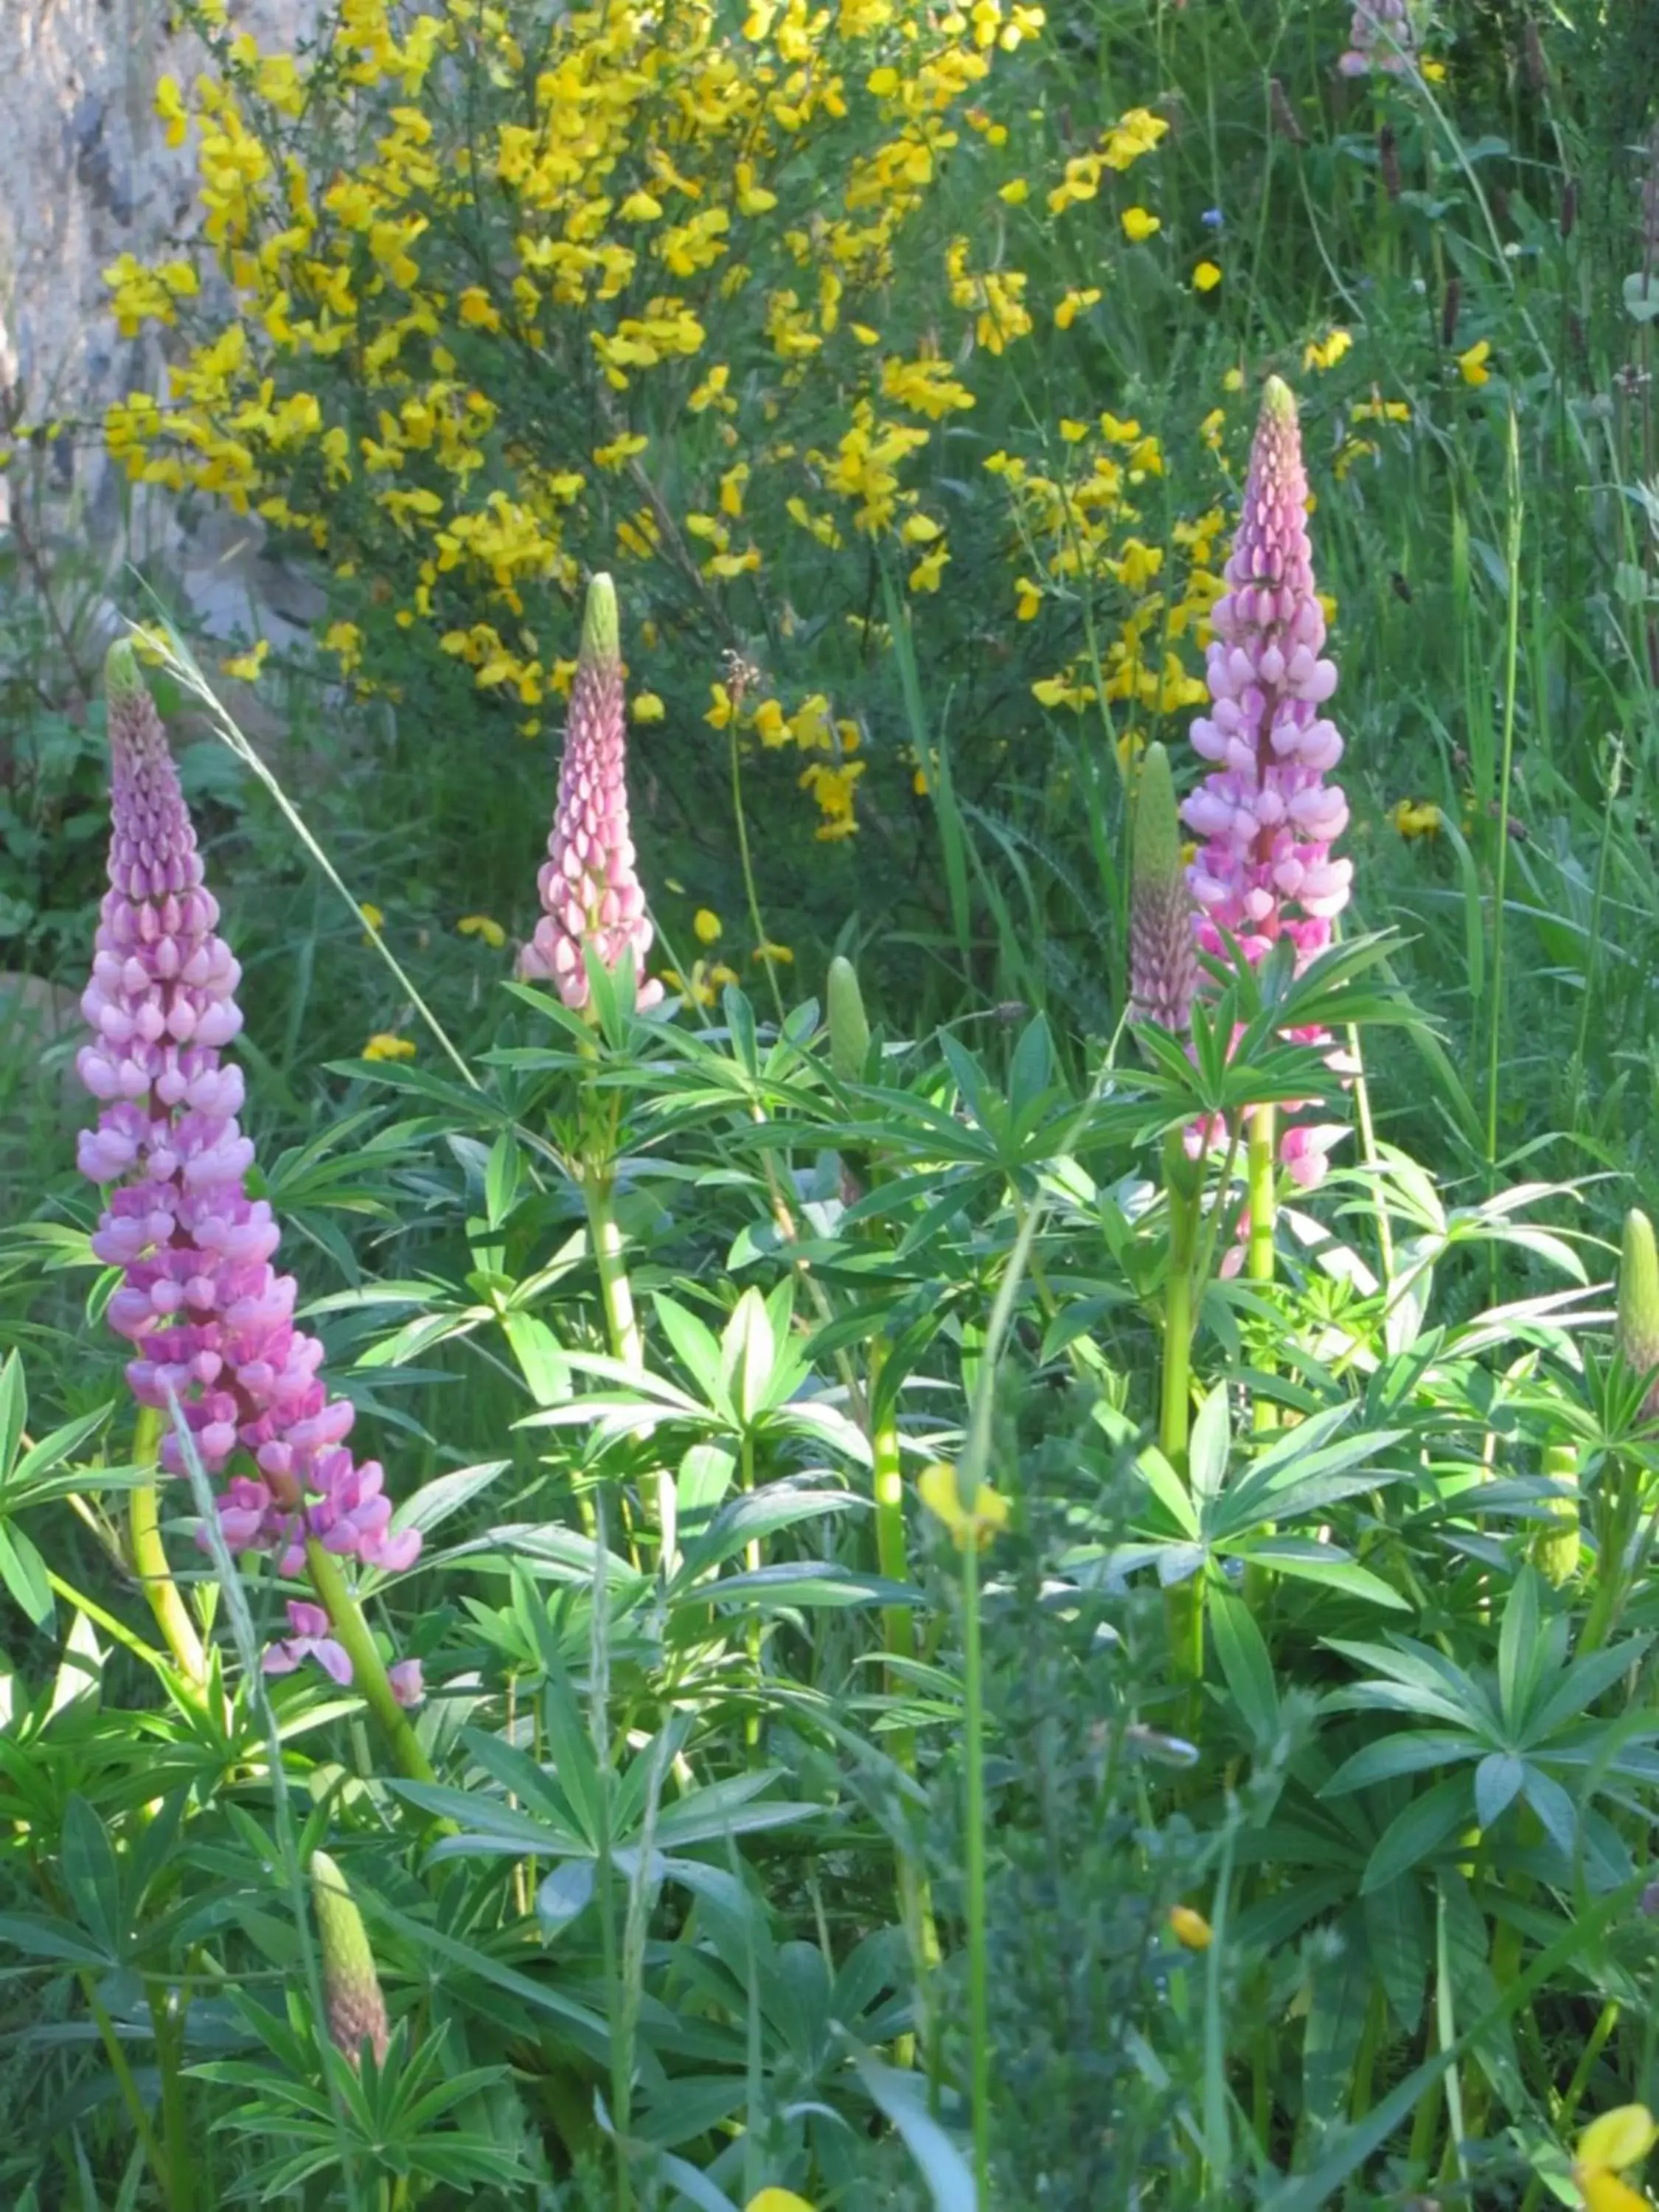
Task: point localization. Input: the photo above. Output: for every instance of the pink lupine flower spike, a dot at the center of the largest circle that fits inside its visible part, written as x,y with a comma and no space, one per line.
590,891
209,1320
1265,814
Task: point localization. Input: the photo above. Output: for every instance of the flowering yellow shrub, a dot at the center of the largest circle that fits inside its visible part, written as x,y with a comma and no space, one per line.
722,297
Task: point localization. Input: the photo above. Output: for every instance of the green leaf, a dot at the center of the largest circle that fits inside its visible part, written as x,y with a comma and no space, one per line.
1206,1455
92,1877
51,1939
433,1502
1409,1751
1340,1990
540,1356
1350,2149
14,1410
24,1573
824,1583
1311,1561
1168,1489
566,1892
1554,1808
1397,1931
748,1349
695,1347
1520,1651
1497,1781
501,1178
704,1477
1416,1832
1583,1682
1246,1662
426,1942
903,2098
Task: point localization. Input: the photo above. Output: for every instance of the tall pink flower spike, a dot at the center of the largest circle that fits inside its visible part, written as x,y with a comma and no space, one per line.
1265,815
1382,36
210,1321
591,892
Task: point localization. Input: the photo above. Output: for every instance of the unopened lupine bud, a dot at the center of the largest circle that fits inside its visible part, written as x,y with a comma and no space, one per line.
1637,1333
1555,1542
590,890
356,2008
849,1030
1162,946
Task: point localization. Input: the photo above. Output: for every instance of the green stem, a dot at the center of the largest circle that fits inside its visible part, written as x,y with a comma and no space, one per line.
1367,1152
622,1323
150,1562
751,1560
747,866
129,2088
1183,1603
1606,2022
169,2021
1176,1401
369,1675
615,1291
1613,1535
979,2009
899,1637
1511,668
1364,2072
1260,1171
898,1630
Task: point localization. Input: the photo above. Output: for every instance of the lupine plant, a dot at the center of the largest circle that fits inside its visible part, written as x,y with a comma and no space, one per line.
1025,1609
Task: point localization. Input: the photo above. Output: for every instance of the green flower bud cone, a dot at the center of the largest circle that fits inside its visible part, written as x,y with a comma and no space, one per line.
1637,1331
356,2009
849,1031
1555,1545
123,685
601,644
1162,945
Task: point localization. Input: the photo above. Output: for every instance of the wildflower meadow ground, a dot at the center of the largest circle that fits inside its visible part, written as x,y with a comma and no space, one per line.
829,1333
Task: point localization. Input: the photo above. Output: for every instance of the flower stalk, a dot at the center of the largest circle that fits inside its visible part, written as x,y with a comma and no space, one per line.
150,1563
369,1675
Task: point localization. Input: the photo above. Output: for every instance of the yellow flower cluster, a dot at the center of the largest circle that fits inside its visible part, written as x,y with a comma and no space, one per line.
619,320
1079,531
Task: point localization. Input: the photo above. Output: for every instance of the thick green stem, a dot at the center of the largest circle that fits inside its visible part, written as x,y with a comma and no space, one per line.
1261,1167
1612,1543
1260,1171
979,2006
622,1323
1175,1402
369,1675
627,1343
150,1562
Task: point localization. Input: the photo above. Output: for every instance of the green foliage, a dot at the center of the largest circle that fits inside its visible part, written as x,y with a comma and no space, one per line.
731,1835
